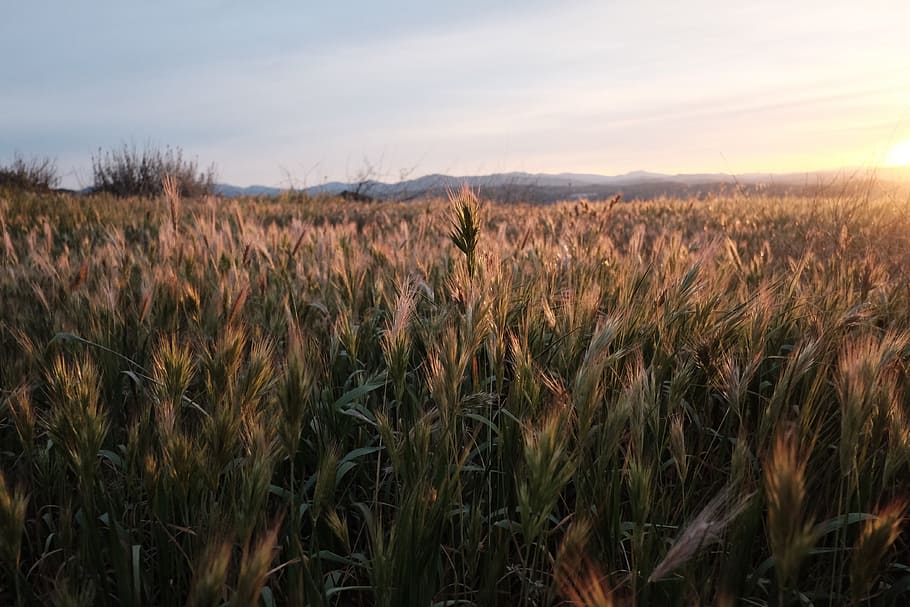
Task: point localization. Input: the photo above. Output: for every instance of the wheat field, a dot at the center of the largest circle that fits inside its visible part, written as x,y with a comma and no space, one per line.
307,401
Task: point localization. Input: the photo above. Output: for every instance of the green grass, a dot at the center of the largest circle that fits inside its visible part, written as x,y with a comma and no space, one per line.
305,401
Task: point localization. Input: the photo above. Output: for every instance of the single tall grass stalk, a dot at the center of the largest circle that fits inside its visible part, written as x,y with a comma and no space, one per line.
789,522
465,224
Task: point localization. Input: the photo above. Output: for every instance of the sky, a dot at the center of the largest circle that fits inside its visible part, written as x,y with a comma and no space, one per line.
301,92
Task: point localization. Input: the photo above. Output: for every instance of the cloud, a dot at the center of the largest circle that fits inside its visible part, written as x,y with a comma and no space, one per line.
460,87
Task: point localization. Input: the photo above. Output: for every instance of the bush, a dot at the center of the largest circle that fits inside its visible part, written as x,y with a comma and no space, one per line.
36,174
130,172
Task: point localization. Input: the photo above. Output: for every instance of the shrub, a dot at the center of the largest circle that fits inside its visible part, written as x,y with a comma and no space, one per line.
131,172
35,174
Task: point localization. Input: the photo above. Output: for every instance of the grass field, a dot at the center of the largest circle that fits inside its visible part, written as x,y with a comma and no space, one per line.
305,401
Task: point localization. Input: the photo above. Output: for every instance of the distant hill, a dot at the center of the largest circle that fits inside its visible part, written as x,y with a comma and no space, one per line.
233,191
543,187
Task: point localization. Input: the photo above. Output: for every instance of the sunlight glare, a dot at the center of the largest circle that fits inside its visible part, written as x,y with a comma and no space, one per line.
899,155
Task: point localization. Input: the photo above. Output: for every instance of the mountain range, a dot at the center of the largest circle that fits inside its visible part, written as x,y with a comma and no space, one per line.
545,187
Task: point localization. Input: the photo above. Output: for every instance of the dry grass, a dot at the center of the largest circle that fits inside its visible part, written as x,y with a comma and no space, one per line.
314,402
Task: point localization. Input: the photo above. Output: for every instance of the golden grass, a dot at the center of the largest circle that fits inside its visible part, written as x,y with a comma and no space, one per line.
304,401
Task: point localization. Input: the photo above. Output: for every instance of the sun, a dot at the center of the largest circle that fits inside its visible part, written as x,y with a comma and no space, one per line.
899,155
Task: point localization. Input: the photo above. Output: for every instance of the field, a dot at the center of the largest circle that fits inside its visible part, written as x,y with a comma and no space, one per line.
452,402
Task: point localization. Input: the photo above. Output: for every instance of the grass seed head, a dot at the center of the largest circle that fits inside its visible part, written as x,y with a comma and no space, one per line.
465,224
705,530
210,576
789,523
678,447
578,579
23,417
325,481
77,423
171,188
254,569
549,466
295,390
876,538
12,523
172,369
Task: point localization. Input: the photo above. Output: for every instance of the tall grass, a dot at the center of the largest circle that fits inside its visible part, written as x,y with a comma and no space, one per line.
452,403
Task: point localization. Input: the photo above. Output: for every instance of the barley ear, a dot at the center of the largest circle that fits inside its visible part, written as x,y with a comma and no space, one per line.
789,525
465,221
578,579
171,188
876,538
210,576
254,569
12,524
